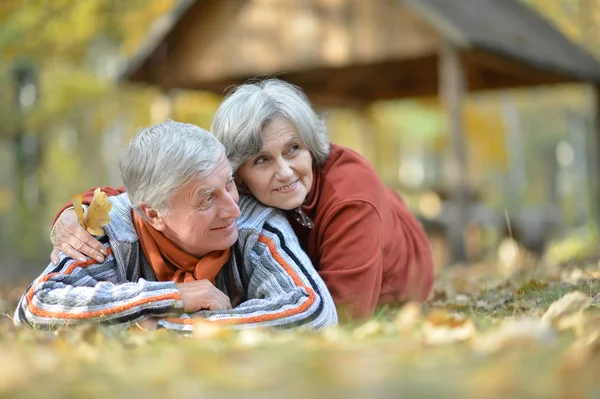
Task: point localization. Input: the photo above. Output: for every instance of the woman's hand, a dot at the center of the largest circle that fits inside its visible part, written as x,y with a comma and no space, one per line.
74,241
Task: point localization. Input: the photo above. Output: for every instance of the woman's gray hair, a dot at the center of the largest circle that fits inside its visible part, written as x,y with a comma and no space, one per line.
161,159
248,108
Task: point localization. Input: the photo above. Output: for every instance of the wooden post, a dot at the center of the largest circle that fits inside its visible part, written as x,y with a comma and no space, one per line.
451,89
594,156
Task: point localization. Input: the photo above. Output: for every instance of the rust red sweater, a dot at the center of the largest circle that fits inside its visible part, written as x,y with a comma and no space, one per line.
367,246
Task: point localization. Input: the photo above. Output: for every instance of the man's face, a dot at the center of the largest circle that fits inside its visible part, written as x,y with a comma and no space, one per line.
203,214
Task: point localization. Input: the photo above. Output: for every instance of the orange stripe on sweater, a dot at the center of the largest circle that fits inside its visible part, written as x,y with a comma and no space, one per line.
96,313
285,313
272,316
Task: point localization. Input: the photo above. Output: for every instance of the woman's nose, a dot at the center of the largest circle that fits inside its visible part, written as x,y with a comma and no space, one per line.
285,170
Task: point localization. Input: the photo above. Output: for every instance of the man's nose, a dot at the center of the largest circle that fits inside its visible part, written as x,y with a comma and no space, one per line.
230,208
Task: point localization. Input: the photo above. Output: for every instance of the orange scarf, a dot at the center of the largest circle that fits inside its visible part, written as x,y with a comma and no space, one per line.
171,263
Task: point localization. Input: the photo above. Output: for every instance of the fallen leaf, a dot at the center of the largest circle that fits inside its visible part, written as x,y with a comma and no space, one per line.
442,328
462,300
367,330
205,330
78,207
567,311
408,317
252,338
97,214
516,333
587,330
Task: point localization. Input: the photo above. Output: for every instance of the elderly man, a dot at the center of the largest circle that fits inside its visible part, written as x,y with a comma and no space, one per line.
175,251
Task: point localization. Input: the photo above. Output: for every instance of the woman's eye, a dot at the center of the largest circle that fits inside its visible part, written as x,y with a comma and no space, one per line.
260,160
293,148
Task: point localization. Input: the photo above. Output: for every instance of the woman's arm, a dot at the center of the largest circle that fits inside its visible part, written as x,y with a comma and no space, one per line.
351,257
71,238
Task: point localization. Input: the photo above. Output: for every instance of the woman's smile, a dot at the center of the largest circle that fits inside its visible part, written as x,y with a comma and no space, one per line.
288,188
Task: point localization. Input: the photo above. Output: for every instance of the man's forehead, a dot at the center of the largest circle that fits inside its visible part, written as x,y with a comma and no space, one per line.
216,179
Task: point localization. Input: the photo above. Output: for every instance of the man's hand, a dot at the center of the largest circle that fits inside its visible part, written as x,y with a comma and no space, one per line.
202,295
72,239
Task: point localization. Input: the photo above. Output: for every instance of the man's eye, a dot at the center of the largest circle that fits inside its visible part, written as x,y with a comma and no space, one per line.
206,202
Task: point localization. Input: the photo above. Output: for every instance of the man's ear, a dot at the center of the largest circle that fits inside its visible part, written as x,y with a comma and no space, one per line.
153,217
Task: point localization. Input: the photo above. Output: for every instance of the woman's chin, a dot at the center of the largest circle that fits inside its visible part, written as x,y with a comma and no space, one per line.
288,204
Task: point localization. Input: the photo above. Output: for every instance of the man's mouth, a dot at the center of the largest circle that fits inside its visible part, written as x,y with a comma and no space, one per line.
225,226
287,187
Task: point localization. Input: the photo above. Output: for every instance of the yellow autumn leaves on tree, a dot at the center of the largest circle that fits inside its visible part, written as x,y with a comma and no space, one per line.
97,214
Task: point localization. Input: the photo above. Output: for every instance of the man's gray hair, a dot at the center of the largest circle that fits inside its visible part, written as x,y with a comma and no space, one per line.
161,159
248,108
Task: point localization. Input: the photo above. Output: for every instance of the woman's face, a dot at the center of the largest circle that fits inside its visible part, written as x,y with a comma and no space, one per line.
281,174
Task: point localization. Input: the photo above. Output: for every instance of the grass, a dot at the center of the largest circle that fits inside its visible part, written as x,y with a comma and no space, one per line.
387,356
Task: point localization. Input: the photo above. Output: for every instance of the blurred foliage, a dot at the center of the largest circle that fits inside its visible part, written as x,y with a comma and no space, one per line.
81,117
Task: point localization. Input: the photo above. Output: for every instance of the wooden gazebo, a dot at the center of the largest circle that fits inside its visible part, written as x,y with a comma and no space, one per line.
354,52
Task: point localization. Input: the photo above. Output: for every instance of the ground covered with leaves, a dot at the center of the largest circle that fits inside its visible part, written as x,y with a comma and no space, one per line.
526,330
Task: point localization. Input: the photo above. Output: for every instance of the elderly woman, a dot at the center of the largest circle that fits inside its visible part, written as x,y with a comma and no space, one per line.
366,244
174,250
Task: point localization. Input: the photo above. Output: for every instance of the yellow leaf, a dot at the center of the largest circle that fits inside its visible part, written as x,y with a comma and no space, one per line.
567,311
523,332
367,330
409,316
442,327
76,200
97,215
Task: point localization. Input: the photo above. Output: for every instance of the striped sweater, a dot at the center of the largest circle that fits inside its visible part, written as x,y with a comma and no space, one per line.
268,277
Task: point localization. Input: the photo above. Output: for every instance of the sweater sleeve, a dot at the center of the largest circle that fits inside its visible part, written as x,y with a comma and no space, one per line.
351,257
77,292
87,198
283,288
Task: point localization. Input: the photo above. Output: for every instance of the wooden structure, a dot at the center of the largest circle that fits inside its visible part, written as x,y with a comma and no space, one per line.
354,52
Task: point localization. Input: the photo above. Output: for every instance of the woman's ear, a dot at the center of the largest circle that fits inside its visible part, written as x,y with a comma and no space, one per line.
241,186
153,217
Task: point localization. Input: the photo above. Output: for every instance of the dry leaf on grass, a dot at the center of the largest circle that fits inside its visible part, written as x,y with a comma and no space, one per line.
442,327
567,311
97,214
369,329
521,332
252,338
205,330
409,317
587,330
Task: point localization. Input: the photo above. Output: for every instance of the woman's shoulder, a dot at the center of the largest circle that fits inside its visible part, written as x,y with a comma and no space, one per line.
348,176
